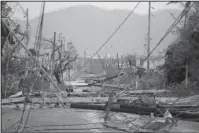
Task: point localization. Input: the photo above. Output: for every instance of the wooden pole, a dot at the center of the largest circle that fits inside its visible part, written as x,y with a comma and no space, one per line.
69,73
136,82
27,33
39,32
62,55
109,105
64,40
149,27
53,54
186,67
118,62
27,30
186,76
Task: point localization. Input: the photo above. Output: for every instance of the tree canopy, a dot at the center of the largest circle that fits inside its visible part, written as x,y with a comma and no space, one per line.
185,50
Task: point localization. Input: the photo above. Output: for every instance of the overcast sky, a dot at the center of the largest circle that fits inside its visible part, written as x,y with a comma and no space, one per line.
35,7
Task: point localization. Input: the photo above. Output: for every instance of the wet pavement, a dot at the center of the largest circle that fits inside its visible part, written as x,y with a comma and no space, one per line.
58,120
74,120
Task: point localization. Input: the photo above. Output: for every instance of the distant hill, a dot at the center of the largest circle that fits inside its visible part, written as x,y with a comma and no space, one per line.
90,26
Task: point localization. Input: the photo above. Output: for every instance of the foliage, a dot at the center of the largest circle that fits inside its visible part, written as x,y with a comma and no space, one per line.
152,80
5,9
179,90
185,51
4,30
12,64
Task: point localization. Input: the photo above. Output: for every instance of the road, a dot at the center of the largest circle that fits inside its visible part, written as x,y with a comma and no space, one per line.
72,120
58,120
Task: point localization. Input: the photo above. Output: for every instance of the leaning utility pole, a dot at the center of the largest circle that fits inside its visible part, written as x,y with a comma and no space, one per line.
39,32
27,33
149,27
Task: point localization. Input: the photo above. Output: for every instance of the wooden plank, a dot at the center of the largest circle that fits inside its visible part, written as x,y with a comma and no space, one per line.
16,95
131,91
109,86
137,109
76,83
147,91
13,100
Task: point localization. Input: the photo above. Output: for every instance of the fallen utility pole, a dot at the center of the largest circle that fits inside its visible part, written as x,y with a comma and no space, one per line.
13,34
168,31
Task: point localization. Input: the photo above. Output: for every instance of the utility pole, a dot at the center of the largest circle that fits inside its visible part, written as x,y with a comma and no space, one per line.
60,40
69,72
149,28
118,62
68,64
61,57
186,66
27,33
186,80
64,43
53,54
27,25
84,56
145,45
39,32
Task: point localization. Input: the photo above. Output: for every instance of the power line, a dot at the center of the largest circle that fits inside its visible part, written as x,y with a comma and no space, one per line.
111,35
169,30
39,29
22,9
25,13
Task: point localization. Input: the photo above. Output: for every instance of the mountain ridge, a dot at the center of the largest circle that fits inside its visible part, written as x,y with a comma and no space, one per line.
90,26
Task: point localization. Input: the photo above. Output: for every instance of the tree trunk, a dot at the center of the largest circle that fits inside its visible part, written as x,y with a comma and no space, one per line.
57,76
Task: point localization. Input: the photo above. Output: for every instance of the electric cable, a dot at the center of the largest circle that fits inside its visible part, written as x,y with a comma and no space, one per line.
110,36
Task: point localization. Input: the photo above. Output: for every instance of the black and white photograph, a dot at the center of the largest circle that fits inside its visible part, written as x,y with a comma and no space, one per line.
99,66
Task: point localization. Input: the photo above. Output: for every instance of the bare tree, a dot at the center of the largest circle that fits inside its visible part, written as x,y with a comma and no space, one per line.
63,59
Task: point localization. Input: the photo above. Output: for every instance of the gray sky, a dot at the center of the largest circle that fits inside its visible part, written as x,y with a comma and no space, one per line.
35,7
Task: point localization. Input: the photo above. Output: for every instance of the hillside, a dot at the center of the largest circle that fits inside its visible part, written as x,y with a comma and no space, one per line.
90,26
